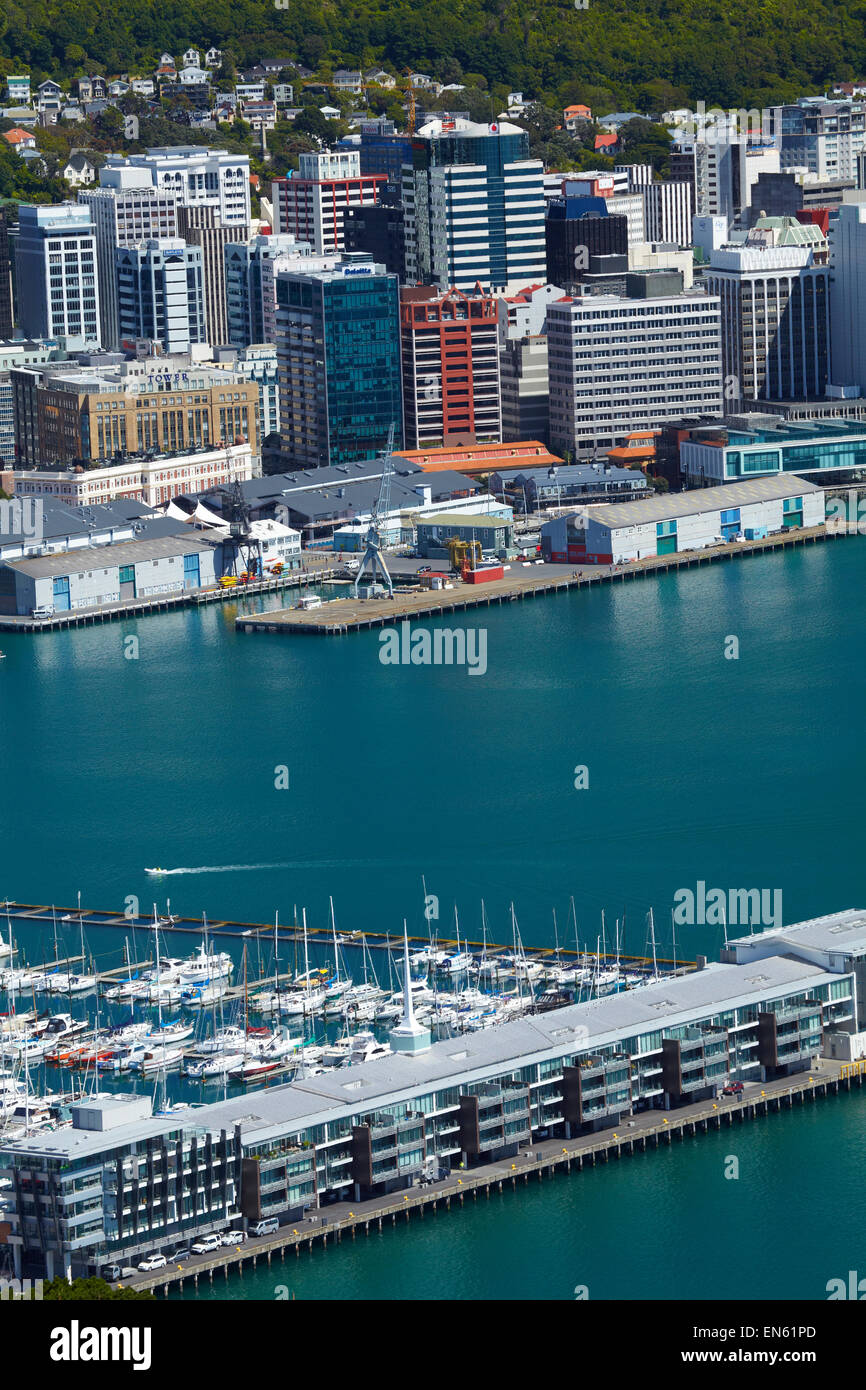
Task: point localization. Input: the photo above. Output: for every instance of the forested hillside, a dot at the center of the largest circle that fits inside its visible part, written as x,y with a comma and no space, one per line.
613,54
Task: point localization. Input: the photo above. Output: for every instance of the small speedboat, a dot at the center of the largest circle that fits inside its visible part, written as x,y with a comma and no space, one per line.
156,872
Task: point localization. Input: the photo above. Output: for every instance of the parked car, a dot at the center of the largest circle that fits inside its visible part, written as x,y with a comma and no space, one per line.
176,1257
267,1227
111,1273
44,610
152,1262
424,569
234,1237
733,1088
207,1244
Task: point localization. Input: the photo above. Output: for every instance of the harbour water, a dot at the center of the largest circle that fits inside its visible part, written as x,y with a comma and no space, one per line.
738,773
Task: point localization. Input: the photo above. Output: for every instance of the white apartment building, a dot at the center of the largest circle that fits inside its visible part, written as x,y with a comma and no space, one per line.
151,480
620,364
160,293
197,176
123,217
58,289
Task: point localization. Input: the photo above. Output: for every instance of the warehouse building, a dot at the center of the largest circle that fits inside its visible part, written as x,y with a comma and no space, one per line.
117,1184
74,580
551,487
495,534
614,533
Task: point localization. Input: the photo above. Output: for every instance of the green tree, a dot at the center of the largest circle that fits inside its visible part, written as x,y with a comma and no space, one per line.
89,1291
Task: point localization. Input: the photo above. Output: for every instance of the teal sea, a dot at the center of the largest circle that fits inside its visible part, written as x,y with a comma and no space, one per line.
744,772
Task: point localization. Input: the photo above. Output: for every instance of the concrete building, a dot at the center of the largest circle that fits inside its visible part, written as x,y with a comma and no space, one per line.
151,478
619,364
18,353
123,217
450,354
338,344
377,230
71,581
258,363
44,526
160,293
667,209
775,298
197,176
474,207
310,205
245,288
374,1128
203,227
756,445
523,362
848,294
67,414
615,196
823,136
618,532
58,291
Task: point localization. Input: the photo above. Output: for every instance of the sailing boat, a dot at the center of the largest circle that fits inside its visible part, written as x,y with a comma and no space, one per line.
457,962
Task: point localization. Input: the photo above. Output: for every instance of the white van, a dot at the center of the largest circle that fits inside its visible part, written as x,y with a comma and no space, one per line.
45,610
267,1227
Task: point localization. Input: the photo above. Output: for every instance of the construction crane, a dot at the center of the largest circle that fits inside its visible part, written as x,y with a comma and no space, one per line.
373,550
242,553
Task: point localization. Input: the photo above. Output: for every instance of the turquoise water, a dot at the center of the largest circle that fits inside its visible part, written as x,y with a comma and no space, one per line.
741,773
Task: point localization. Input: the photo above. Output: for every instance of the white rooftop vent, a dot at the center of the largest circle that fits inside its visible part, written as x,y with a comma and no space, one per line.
757,979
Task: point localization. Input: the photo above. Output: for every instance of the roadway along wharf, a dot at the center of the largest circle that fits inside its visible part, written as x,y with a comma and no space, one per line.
338,616
648,1130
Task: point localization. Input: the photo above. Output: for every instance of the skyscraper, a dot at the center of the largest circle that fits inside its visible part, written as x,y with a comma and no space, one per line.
244,284
848,293
6,324
202,226
338,346
474,207
58,292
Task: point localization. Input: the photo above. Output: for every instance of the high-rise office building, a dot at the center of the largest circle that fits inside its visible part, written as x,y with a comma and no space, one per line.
848,293
450,354
310,204
775,297
474,207
202,226
338,346
58,293
523,362
6,318
160,293
822,136
623,363
578,230
123,217
245,306
378,229
668,212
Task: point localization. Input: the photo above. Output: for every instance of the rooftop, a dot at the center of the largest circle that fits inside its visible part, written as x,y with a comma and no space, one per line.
708,499
124,553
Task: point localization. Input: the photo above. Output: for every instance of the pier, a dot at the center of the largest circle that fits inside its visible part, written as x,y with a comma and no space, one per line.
638,1134
339,616
292,934
163,603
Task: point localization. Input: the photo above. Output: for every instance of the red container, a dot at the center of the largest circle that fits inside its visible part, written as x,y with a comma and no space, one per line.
484,576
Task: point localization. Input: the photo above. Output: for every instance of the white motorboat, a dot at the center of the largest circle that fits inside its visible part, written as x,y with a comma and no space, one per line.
212,1068
366,1048
205,966
157,1059
170,1034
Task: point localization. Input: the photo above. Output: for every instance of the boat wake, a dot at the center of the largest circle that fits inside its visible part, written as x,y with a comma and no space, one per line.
215,869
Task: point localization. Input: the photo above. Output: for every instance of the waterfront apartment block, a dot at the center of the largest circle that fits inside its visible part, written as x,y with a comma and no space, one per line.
69,415
450,352
121,1182
622,363
616,533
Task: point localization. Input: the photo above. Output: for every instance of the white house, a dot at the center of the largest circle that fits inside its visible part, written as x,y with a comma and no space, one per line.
78,171
213,58
18,89
347,80
193,76
381,78
192,58
143,86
